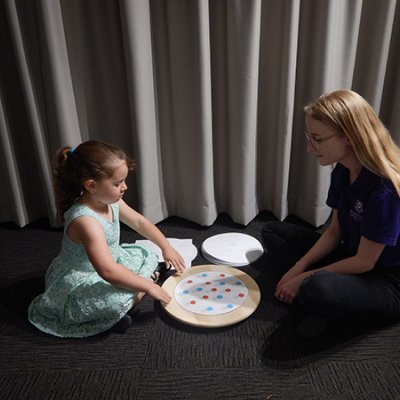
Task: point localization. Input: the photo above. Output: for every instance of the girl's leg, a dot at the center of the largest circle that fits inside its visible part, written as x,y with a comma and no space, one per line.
372,295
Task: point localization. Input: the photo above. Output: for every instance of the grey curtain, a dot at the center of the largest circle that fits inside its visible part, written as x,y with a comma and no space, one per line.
206,95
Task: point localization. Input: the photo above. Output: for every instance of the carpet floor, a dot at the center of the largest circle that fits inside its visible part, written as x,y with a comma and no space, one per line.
159,357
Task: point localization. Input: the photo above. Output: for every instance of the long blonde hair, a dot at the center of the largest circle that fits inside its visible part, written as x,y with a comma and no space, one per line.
350,114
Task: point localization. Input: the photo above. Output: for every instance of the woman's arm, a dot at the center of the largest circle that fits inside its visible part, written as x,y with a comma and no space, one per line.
328,241
148,230
324,246
367,255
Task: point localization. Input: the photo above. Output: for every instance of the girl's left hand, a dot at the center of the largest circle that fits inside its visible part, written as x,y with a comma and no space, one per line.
171,256
289,290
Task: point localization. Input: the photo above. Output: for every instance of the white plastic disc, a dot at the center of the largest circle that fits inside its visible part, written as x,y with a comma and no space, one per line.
232,249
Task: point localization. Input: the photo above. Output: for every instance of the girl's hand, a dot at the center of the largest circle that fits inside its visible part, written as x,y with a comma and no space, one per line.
158,293
171,256
288,291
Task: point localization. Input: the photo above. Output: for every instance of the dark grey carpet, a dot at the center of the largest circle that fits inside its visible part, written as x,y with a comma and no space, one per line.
159,358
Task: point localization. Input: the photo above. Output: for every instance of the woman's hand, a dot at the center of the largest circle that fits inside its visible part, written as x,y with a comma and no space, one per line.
296,270
172,257
287,291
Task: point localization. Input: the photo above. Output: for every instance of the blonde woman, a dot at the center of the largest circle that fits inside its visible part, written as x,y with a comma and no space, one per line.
352,270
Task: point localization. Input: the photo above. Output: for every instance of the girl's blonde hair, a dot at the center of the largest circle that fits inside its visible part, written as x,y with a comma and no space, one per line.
350,114
72,166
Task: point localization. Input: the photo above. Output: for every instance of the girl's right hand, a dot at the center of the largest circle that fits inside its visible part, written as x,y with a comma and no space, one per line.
158,293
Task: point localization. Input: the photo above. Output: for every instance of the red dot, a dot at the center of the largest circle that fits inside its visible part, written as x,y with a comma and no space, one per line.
193,302
222,275
241,295
189,281
214,289
205,297
227,290
208,283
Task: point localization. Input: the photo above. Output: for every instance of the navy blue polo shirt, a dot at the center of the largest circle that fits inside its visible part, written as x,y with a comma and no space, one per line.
368,207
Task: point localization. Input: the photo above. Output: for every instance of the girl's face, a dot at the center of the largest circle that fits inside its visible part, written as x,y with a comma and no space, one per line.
328,145
111,189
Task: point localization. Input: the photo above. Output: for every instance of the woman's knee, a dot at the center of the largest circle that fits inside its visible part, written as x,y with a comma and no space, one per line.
277,235
319,290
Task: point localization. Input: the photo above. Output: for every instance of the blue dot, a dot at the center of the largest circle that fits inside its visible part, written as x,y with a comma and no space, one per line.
185,292
238,283
220,296
222,283
203,274
230,305
210,308
199,289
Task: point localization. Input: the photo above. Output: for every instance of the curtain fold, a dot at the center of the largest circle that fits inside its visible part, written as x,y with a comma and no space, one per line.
206,95
138,54
391,92
182,67
15,209
376,28
278,62
235,61
42,192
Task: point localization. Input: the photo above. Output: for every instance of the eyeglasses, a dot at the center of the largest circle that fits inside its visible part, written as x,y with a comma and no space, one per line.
316,143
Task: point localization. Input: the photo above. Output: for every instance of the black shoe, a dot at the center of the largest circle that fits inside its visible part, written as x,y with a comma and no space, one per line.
122,325
162,272
134,311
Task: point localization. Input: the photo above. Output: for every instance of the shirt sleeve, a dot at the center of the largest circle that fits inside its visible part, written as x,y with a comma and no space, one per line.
381,222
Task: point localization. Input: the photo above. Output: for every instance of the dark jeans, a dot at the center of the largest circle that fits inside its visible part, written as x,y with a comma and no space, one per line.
371,295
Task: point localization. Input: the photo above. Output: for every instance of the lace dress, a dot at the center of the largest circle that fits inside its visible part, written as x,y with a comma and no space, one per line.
77,302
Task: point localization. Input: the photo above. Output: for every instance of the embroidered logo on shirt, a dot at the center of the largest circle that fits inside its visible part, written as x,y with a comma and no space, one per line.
359,206
358,210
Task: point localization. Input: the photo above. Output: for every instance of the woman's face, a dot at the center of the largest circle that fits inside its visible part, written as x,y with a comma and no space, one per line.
328,145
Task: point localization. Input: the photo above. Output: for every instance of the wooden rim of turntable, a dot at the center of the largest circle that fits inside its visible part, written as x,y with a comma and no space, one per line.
212,321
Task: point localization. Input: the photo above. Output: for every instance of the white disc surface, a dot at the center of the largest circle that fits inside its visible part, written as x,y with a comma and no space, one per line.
211,293
232,249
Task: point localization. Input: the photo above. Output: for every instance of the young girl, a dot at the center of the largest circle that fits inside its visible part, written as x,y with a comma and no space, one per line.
352,270
94,282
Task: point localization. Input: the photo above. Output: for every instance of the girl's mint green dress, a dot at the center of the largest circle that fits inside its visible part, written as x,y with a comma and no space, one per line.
77,302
